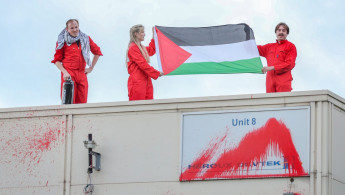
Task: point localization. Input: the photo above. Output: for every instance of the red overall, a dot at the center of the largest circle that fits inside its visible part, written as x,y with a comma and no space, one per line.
140,73
282,56
73,61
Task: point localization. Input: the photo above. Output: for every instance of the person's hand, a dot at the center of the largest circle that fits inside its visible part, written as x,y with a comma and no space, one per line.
88,70
267,68
161,74
66,76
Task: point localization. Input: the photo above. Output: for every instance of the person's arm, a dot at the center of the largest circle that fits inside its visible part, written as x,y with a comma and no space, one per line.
97,52
151,49
289,62
135,55
93,64
262,50
58,57
66,75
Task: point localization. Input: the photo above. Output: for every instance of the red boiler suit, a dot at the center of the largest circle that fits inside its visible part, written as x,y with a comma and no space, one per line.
282,56
73,61
140,73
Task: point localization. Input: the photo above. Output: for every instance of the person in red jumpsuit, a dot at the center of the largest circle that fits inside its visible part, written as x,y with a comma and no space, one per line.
281,57
71,56
140,72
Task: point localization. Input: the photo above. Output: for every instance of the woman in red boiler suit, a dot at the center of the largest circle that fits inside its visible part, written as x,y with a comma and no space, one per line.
140,72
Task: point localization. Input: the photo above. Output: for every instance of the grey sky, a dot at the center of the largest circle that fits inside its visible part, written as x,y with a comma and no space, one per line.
29,32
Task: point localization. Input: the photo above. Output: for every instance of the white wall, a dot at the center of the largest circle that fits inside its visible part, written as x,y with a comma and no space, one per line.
140,146
338,150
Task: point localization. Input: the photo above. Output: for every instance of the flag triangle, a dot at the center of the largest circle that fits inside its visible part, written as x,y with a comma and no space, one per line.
171,55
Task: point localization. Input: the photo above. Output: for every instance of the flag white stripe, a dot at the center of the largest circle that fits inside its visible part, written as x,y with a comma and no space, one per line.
157,50
222,53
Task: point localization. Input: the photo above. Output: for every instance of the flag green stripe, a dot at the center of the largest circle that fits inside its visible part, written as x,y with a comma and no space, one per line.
253,65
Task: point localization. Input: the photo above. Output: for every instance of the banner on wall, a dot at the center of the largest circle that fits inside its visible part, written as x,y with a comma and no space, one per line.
245,144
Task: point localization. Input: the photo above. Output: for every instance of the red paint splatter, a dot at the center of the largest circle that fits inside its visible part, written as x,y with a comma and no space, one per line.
235,162
27,142
171,193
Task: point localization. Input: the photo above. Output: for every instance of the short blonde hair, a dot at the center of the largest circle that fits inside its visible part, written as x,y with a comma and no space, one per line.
71,20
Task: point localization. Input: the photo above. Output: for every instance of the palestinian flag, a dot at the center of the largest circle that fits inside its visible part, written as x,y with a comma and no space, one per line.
207,50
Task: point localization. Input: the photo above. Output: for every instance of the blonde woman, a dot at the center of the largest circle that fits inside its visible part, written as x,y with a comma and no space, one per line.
140,72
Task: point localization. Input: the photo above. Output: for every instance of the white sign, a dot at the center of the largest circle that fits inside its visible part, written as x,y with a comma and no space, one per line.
246,144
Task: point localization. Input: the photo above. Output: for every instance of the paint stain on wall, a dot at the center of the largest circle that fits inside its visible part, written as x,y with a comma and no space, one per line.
236,162
26,141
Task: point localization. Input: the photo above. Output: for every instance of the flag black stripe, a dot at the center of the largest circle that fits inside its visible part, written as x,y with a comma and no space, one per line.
213,35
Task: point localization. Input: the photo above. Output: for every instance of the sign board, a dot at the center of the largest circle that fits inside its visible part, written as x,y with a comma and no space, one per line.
245,144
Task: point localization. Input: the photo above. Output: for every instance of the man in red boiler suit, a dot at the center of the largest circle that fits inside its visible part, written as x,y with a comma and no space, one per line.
281,57
72,55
